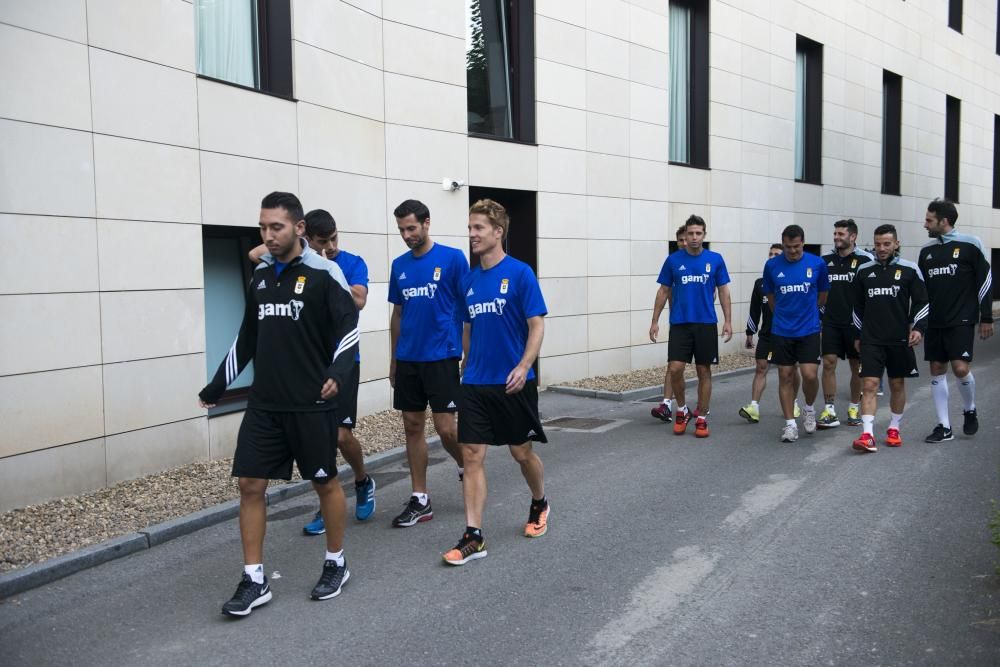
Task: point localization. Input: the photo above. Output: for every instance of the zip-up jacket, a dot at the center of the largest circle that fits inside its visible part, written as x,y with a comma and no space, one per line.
889,300
759,311
300,328
958,280
842,270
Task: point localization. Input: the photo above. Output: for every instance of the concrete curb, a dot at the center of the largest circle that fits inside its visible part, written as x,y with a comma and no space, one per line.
635,394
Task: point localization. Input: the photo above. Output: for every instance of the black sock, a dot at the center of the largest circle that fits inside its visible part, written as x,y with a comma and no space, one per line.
362,482
540,504
474,533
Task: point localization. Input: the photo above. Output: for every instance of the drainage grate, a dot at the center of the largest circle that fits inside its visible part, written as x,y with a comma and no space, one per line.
578,423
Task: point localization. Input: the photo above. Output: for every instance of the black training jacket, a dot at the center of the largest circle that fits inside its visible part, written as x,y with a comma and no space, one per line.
842,270
889,299
759,311
958,280
299,329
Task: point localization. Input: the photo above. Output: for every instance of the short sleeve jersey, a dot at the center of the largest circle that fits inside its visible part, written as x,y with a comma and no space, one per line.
356,272
692,280
428,288
796,286
497,303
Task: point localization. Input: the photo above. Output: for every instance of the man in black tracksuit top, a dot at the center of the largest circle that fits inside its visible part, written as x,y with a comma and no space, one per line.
300,329
890,315
961,293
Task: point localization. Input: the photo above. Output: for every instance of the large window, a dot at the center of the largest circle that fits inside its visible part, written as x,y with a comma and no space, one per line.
952,139
246,42
808,110
689,82
892,127
955,15
500,69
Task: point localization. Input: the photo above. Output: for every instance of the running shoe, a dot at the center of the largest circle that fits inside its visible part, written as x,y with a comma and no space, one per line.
796,410
971,423
809,423
751,413
413,514
661,412
538,521
940,434
364,505
853,416
892,438
865,443
331,581
827,419
701,427
790,433
316,526
681,420
248,595
468,548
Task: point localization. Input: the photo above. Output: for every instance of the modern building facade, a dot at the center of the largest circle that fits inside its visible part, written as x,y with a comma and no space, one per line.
137,138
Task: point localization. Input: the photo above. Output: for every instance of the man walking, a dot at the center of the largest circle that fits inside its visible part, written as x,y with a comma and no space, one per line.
960,290
663,410
890,314
688,281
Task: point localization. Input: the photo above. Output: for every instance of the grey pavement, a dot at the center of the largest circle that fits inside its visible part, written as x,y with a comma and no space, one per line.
735,550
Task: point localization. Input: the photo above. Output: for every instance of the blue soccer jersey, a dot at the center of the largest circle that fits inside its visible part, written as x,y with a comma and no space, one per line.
497,303
428,288
796,286
692,280
356,272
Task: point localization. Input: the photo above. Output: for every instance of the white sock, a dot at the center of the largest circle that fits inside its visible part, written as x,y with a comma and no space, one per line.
854,406
255,571
868,424
939,389
967,388
681,409
461,470
894,422
337,558
421,497
666,402
831,408
790,422
810,409
754,403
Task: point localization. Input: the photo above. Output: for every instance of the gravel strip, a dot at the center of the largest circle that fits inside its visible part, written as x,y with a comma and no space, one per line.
654,376
39,532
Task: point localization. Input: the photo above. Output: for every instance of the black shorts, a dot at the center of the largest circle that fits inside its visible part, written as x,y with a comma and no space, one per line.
697,340
763,349
791,351
839,341
347,399
269,441
491,416
953,343
421,382
896,361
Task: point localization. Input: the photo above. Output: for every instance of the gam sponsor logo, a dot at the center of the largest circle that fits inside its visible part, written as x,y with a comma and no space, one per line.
428,290
290,309
495,306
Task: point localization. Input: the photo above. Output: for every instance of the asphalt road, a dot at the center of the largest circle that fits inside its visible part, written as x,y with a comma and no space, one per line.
736,550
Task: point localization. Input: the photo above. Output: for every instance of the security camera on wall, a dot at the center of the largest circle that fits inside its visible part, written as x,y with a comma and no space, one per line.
451,184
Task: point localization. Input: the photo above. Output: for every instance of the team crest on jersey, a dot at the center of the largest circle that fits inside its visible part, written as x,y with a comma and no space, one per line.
809,273
955,254
504,285
899,272
708,268
854,263
437,273
300,284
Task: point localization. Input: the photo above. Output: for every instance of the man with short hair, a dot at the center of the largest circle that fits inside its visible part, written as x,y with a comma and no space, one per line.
504,311
426,345
688,281
300,328
890,314
960,289
796,285
837,340
663,410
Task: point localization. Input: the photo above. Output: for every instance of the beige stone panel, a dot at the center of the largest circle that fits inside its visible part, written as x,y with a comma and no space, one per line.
356,202
161,31
142,325
458,242
647,258
564,296
643,288
150,450
607,330
562,170
375,316
607,218
244,122
59,18
649,67
441,57
690,185
46,170
607,55
333,140
565,335
607,134
375,355
607,175
561,216
608,95
72,262
725,54
374,397
648,104
649,142
139,394
725,224
567,11
222,432
560,84
149,255
373,7
607,294
610,17
501,164
48,87
233,186
425,155
372,248
647,180
560,126
639,321
608,362
142,100
557,369
435,15
40,332
649,28
341,28
35,477
422,103
338,83
27,414
449,211
648,356
608,258
558,258
650,220
560,42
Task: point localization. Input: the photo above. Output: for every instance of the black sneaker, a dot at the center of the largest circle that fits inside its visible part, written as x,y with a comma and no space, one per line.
331,581
248,595
940,434
413,514
971,423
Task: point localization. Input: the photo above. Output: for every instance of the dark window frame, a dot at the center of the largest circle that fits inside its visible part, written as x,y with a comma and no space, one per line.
952,147
892,131
698,96
996,168
955,15
998,27
813,111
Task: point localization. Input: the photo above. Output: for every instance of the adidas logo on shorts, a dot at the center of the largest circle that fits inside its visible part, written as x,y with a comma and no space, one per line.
347,420
451,404
320,473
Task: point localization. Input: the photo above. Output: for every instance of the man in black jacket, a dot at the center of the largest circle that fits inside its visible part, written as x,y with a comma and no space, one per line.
300,329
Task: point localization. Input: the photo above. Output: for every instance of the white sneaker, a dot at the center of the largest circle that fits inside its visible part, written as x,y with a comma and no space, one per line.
809,423
790,433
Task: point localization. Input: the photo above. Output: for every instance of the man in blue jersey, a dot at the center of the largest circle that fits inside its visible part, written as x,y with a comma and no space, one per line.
426,345
796,284
323,238
504,312
688,281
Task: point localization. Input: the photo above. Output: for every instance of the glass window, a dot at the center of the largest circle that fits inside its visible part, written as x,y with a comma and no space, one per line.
808,147
680,81
892,112
952,143
226,39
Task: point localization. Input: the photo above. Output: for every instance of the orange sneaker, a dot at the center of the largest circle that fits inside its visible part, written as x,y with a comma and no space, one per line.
701,427
892,438
468,548
681,420
865,443
538,521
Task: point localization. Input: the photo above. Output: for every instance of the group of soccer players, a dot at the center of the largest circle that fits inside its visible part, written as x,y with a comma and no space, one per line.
806,310
463,341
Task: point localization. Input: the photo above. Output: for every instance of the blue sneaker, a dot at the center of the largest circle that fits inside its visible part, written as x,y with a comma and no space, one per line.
316,526
364,506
